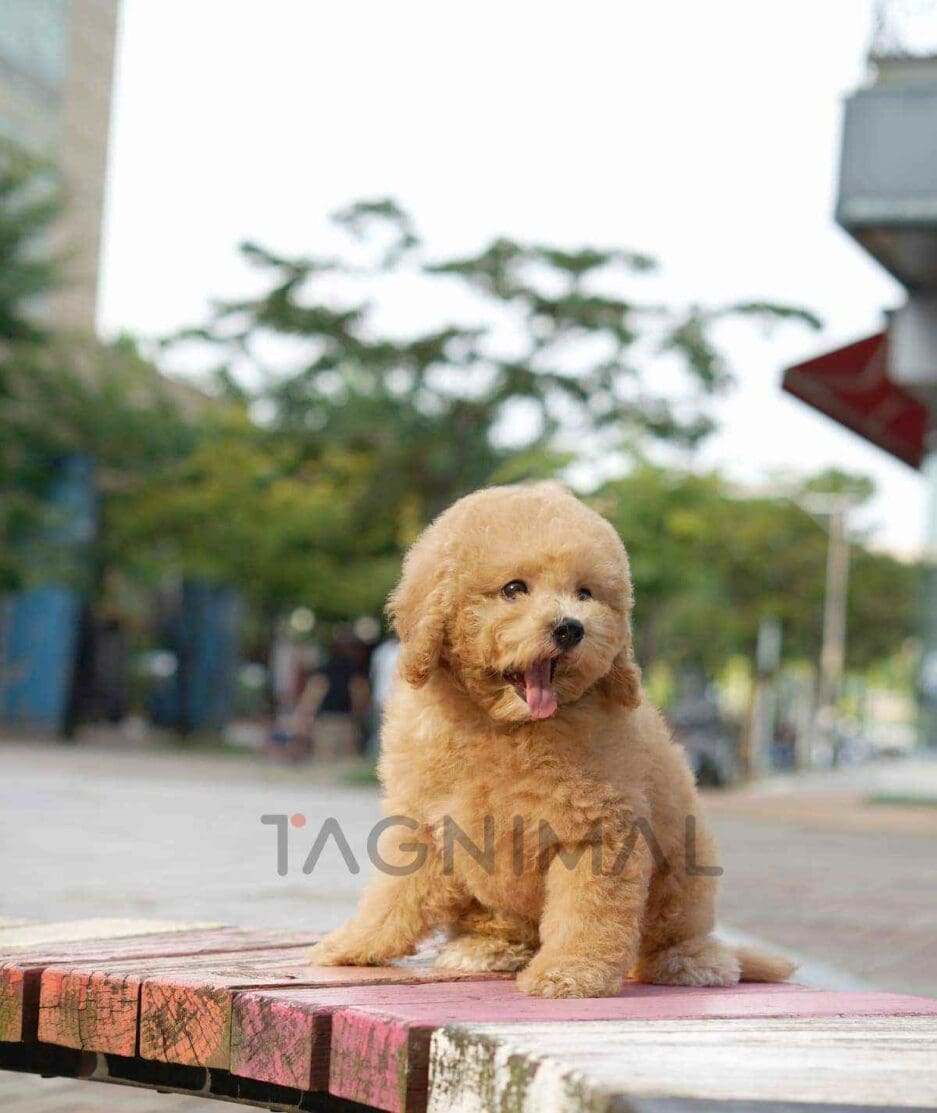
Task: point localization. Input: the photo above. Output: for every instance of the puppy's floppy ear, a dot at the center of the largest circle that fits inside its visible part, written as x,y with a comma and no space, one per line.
622,682
418,607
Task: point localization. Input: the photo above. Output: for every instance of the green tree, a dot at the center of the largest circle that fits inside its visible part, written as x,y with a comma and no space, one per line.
78,397
709,564
243,508
553,352
550,356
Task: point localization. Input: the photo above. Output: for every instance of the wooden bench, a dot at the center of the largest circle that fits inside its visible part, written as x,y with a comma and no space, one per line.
240,1015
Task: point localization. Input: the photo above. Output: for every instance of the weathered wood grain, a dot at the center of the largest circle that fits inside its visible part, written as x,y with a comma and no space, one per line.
247,1004
601,1067
283,1036
185,1012
379,1056
188,1019
21,966
95,1005
382,1060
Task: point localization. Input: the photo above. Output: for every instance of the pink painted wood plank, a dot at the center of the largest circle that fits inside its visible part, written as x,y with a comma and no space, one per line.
21,969
283,1036
384,1057
187,1017
379,1054
95,1005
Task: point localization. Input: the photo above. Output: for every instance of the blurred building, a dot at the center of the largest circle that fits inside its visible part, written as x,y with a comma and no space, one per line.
56,69
63,660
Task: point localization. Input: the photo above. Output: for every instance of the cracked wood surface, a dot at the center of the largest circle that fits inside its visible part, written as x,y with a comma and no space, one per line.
185,1008
23,956
95,1005
249,1004
188,1019
284,1036
604,1067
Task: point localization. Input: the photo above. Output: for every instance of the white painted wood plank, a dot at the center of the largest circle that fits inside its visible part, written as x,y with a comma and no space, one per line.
75,931
596,1066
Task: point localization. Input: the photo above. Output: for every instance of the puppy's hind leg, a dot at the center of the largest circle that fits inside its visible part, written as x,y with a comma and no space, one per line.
702,960
678,947
483,939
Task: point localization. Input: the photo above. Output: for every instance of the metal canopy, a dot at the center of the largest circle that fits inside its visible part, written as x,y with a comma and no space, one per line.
852,386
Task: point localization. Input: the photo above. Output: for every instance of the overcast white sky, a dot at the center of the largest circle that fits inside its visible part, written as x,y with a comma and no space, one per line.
706,134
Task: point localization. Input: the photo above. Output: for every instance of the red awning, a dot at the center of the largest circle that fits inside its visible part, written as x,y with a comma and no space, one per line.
851,385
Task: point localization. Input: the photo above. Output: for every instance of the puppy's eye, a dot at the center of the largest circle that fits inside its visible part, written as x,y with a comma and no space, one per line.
583,593
513,589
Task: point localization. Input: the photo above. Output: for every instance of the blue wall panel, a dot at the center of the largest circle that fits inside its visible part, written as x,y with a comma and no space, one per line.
205,638
208,654
39,626
40,642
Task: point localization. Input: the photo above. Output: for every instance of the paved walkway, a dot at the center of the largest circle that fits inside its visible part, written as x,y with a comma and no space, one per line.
839,882
810,866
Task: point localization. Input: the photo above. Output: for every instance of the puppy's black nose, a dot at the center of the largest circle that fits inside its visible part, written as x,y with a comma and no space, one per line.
568,632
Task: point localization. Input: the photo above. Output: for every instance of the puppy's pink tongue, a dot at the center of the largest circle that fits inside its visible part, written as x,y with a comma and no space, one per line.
541,699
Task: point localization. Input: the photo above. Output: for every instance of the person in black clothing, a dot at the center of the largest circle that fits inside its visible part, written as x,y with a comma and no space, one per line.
334,703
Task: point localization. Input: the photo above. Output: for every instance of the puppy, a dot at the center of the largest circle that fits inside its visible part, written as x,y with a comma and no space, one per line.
537,808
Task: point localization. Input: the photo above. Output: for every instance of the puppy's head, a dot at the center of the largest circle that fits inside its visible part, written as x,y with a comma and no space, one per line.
523,595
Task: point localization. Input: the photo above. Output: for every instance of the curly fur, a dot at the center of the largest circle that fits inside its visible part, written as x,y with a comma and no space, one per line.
581,873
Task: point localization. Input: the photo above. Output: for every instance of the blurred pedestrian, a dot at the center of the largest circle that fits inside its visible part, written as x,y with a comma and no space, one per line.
334,704
383,668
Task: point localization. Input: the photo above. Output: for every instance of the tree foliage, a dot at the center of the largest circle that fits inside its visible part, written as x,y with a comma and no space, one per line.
546,354
72,397
709,564
559,333
243,508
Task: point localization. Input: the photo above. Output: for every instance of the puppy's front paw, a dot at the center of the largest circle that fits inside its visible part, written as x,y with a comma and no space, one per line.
575,979
344,948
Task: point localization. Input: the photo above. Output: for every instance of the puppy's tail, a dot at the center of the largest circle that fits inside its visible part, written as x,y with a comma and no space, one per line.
763,966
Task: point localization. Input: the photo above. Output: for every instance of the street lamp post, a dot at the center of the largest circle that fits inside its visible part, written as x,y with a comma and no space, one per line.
835,508
833,652
927,675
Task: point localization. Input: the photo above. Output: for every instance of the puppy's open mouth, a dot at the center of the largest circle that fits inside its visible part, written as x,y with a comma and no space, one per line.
535,686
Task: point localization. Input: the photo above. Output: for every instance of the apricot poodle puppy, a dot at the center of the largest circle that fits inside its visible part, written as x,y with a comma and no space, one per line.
536,807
